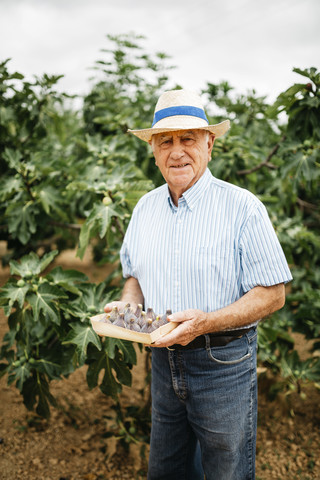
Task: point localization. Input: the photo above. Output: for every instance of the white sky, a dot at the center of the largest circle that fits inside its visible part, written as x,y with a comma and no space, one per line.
249,43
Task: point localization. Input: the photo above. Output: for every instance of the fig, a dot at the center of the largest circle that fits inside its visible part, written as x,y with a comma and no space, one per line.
129,316
138,311
114,314
133,325
147,327
136,319
106,201
142,319
157,322
107,318
151,314
120,321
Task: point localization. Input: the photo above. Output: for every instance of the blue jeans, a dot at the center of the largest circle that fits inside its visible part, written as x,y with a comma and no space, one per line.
204,398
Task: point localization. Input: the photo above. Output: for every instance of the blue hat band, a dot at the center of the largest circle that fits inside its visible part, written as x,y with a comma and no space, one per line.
179,110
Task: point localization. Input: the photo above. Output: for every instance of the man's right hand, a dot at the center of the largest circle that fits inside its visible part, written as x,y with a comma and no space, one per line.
131,294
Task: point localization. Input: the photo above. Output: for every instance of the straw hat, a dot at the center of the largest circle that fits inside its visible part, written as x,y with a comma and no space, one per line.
180,110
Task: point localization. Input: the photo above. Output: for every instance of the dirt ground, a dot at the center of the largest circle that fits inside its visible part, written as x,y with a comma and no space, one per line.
74,444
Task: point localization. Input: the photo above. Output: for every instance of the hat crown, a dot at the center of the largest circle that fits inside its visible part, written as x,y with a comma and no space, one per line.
174,98
179,107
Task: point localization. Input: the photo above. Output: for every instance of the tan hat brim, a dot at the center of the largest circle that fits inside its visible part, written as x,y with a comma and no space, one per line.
146,134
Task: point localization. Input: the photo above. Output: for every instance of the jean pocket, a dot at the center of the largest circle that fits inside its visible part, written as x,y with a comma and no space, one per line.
234,352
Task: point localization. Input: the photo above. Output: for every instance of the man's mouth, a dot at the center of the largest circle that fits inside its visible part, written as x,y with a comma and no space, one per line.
180,166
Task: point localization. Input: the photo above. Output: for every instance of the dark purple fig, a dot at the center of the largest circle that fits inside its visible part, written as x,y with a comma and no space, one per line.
151,314
106,318
157,323
142,319
138,311
147,328
126,308
164,318
128,316
114,314
120,321
133,325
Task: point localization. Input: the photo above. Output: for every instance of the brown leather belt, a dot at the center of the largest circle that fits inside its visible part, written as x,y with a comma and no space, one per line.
218,339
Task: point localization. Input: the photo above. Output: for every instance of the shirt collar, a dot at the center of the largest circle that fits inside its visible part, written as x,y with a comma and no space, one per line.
192,195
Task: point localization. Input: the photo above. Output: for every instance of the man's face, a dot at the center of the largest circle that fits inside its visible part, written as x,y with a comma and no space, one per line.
182,157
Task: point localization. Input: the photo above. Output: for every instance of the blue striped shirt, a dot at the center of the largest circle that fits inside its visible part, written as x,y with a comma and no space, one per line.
207,252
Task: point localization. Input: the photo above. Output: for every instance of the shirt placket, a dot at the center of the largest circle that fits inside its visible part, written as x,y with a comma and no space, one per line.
177,255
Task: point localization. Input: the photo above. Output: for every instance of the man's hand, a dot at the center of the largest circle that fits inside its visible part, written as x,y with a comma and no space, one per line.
131,294
192,324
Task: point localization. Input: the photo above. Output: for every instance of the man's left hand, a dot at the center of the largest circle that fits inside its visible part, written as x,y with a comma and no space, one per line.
191,325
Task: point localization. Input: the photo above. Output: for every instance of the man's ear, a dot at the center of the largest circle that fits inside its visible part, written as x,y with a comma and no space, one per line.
211,139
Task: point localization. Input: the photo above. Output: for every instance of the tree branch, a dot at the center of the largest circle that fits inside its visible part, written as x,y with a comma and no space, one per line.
266,162
70,226
307,205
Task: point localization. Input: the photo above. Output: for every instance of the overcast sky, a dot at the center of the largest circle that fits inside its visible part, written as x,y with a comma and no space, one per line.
249,43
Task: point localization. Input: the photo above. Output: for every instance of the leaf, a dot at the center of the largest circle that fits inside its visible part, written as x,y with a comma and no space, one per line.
21,219
36,391
123,372
11,293
97,222
20,374
67,279
293,367
93,294
81,335
59,275
13,158
9,186
51,199
44,300
29,264
50,368
309,73
112,344
109,385
97,362
47,259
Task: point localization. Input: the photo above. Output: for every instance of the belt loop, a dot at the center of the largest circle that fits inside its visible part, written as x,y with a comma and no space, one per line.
208,342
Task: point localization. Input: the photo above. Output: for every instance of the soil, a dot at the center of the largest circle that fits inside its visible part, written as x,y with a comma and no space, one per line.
75,444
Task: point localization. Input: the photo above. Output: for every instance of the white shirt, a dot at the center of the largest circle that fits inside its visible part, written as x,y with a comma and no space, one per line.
207,252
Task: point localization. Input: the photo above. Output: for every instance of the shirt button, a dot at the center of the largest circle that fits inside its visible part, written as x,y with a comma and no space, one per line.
179,221
176,284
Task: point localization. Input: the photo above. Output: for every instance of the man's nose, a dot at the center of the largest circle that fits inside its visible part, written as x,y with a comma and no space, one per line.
177,151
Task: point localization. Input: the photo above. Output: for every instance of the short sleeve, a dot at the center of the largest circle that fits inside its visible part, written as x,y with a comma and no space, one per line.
262,259
127,270
129,247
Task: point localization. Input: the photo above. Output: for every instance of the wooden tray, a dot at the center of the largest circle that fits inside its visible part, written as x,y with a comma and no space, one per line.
108,330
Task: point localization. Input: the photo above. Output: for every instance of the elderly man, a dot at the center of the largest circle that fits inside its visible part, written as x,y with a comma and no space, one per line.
205,249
